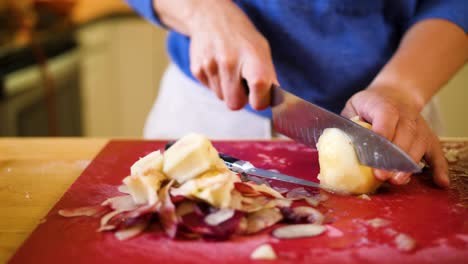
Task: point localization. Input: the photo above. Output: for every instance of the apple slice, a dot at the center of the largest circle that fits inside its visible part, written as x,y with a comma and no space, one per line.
263,252
219,216
167,211
262,219
298,231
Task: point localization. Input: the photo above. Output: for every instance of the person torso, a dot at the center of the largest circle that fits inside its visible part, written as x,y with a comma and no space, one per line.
323,50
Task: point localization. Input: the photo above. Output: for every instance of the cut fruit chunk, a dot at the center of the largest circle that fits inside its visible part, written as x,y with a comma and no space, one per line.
264,252
189,157
340,170
298,231
149,164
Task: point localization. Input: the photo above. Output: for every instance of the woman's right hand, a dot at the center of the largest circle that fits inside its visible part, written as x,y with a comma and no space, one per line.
225,48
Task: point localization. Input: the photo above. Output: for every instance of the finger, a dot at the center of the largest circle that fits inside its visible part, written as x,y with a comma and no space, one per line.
436,159
233,92
199,73
382,175
215,86
407,133
260,79
349,111
211,71
400,178
384,117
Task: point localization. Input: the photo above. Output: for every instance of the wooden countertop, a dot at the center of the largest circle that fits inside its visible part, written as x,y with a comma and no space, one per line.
34,174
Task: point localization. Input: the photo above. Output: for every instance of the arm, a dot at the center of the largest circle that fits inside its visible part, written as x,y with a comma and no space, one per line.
430,53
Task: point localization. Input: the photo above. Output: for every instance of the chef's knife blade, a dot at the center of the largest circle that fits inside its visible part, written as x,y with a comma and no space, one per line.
305,122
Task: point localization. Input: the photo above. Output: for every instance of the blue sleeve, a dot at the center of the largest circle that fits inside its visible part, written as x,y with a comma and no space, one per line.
145,9
455,11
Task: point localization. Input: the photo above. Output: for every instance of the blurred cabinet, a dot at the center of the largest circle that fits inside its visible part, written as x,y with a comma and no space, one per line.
122,59
453,100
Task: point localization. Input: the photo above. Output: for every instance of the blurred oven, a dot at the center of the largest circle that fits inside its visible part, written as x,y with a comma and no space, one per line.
24,106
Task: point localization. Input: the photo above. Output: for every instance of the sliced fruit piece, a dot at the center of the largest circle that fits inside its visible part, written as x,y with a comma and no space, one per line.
214,187
404,242
253,189
302,214
189,157
144,188
219,216
167,211
264,252
298,193
262,219
148,165
130,232
105,226
83,211
121,203
298,231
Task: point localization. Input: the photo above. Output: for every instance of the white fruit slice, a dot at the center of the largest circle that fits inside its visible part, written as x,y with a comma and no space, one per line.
189,157
149,164
145,179
264,252
298,231
214,187
340,169
219,217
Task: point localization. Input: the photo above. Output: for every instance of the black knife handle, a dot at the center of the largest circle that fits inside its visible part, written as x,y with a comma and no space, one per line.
224,157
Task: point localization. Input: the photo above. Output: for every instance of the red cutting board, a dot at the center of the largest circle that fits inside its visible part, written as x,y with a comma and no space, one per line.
435,218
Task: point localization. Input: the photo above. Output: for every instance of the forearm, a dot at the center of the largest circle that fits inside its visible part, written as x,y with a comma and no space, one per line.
431,52
182,15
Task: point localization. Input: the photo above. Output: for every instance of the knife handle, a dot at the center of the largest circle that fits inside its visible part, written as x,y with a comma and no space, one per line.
224,157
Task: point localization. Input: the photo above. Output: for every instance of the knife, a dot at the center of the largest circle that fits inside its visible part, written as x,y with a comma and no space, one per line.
242,166
304,122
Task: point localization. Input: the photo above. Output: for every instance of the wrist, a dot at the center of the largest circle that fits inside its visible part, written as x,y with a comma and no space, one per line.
410,91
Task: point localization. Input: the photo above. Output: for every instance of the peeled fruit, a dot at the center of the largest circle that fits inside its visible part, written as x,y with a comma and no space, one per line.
213,187
340,169
190,157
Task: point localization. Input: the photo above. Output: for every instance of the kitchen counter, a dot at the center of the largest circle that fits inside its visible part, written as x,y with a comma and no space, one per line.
34,174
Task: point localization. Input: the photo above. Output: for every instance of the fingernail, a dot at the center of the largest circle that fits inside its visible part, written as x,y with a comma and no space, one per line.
402,177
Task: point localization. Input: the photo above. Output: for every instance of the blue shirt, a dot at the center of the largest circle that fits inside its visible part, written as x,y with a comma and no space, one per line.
326,50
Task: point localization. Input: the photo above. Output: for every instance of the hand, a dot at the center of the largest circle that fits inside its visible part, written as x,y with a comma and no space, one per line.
226,48
395,115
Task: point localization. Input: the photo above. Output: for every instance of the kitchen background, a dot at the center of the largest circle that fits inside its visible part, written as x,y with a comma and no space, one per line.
92,68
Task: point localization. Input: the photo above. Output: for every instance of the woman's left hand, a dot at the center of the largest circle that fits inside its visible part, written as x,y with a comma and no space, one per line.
396,116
